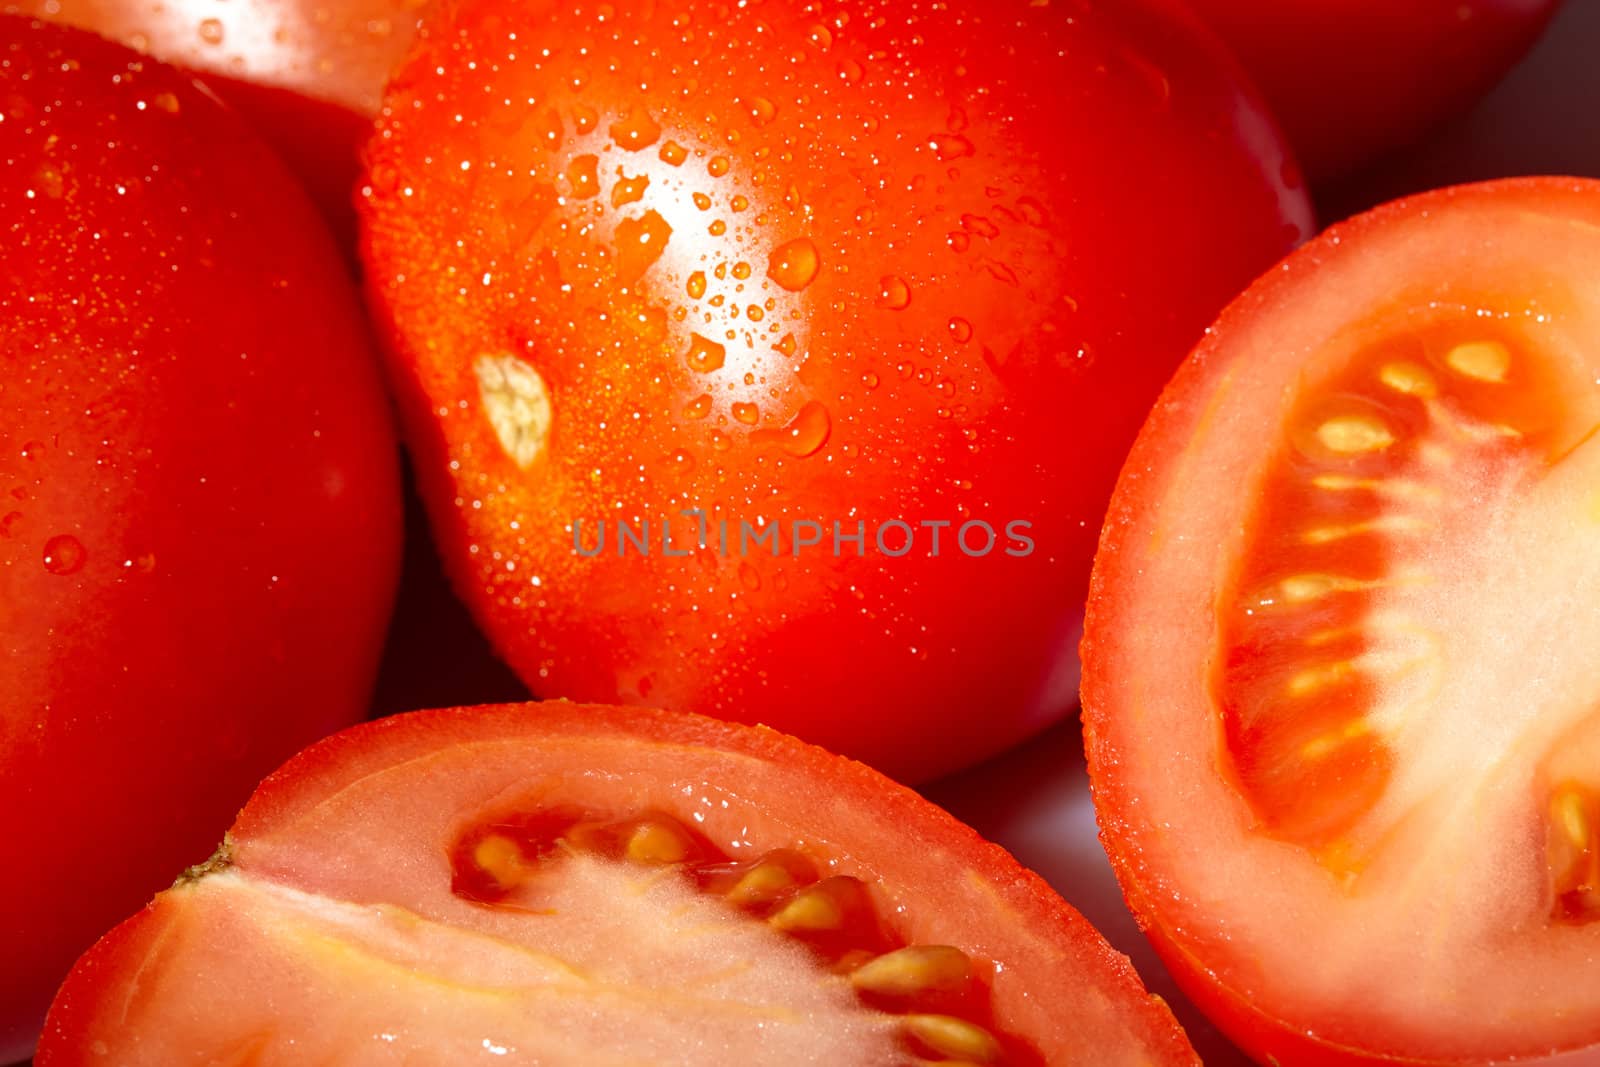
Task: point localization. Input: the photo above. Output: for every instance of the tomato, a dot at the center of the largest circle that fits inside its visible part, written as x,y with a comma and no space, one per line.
198,509
835,297
1352,79
568,884
1339,682
308,73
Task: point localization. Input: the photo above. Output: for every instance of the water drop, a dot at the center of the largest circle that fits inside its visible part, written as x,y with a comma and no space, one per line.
950,146
718,166
869,381
629,190
585,118
699,407
805,434
584,177
762,110
961,330
894,293
640,243
702,201
794,264
717,229
697,285
674,154
849,70
749,414
705,355
958,241
741,270
980,225
822,37
64,554
787,346
636,129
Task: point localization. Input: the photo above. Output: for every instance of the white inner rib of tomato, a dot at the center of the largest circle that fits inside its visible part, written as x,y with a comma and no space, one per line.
1401,649
609,964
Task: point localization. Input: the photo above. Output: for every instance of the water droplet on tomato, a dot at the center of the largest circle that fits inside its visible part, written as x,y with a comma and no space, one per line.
583,175
705,355
699,407
697,285
762,110
950,146
635,130
894,293
749,414
585,118
961,330
794,264
64,554
870,381
850,71
822,37
674,154
640,243
805,433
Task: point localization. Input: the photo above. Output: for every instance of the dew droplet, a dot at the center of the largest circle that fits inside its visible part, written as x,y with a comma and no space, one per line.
585,118
950,146
794,264
636,129
958,241
787,346
741,270
584,177
702,201
629,190
699,407
805,433
211,31
980,225
869,381
640,243
822,37
705,355
697,285
749,414
717,229
718,166
894,293
674,154
849,70
961,330
762,110
64,554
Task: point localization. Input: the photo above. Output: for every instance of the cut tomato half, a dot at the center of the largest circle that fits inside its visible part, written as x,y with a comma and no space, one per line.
1341,684
560,884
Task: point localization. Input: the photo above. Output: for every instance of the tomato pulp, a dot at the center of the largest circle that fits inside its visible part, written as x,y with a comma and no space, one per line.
857,305
1339,670
198,510
564,884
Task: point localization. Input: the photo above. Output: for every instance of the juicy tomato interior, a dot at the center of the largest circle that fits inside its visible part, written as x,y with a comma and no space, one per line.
1340,669
544,884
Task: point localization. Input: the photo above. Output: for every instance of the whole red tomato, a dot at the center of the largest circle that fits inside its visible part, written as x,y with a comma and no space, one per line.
198,510
821,284
1351,79
308,73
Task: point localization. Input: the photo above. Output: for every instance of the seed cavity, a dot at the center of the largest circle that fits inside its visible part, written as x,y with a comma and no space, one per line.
1484,361
517,403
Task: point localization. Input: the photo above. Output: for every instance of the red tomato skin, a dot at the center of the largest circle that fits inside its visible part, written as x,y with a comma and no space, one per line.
306,73
1149,893
1353,80
882,660
199,518
912,845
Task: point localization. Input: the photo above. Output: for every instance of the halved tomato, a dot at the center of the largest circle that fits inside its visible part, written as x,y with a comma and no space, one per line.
1341,682
562,884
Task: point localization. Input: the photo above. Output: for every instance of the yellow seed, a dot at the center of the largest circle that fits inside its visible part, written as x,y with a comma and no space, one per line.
1328,742
1567,807
1352,434
1390,524
1312,679
500,858
1395,487
1408,378
915,969
1487,361
1303,588
654,841
810,910
762,884
517,404
953,1037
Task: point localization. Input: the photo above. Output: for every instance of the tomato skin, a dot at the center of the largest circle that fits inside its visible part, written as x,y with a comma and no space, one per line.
1118,688
1350,81
1002,282
307,74
199,516
956,888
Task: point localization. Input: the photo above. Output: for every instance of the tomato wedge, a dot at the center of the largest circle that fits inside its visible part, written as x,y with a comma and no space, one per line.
565,884
1340,680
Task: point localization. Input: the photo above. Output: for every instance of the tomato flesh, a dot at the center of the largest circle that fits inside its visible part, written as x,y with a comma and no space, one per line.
581,884
1341,713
